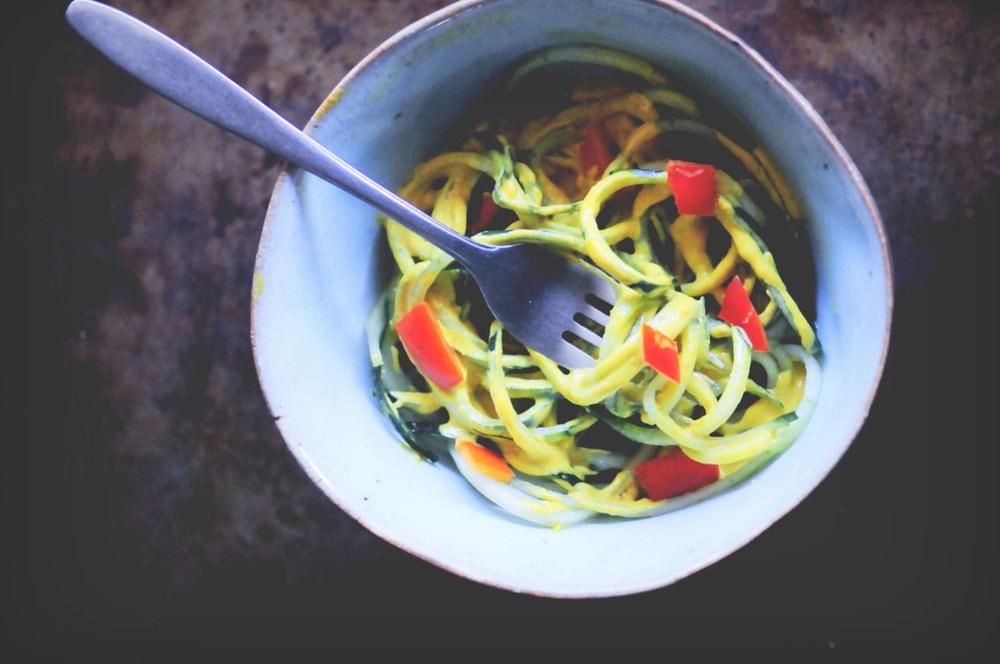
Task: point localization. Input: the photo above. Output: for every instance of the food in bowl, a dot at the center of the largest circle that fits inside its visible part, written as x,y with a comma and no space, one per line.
709,365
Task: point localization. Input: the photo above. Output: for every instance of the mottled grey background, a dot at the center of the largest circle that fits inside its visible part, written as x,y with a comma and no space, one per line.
153,508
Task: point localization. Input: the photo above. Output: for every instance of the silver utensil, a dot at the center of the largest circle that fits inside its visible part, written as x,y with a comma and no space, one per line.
539,296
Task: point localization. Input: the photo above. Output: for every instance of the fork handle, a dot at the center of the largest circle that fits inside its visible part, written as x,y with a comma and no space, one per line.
192,83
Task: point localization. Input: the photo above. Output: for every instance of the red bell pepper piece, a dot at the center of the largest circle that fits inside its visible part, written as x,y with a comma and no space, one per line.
425,344
595,153
487,211
484,460
673,473
660,352
693,186
737,309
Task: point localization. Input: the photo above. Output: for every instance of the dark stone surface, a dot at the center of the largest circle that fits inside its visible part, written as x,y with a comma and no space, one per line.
153,508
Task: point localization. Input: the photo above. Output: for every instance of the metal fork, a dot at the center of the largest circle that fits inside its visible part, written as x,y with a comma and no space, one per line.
547,302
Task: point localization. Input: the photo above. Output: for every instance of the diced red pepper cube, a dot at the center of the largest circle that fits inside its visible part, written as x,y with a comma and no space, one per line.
484,460
660,352
595,153
738,310
673,473
425,344
487,212
693,186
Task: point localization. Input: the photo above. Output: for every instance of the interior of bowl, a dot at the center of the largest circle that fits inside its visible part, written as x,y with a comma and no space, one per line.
317,276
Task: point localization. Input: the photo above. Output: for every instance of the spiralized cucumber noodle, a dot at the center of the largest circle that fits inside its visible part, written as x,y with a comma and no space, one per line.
573,437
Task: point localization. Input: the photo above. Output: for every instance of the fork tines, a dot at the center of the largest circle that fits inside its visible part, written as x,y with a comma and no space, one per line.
588,326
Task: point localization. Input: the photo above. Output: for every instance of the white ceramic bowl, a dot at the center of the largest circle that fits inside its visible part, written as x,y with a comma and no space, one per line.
316,279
